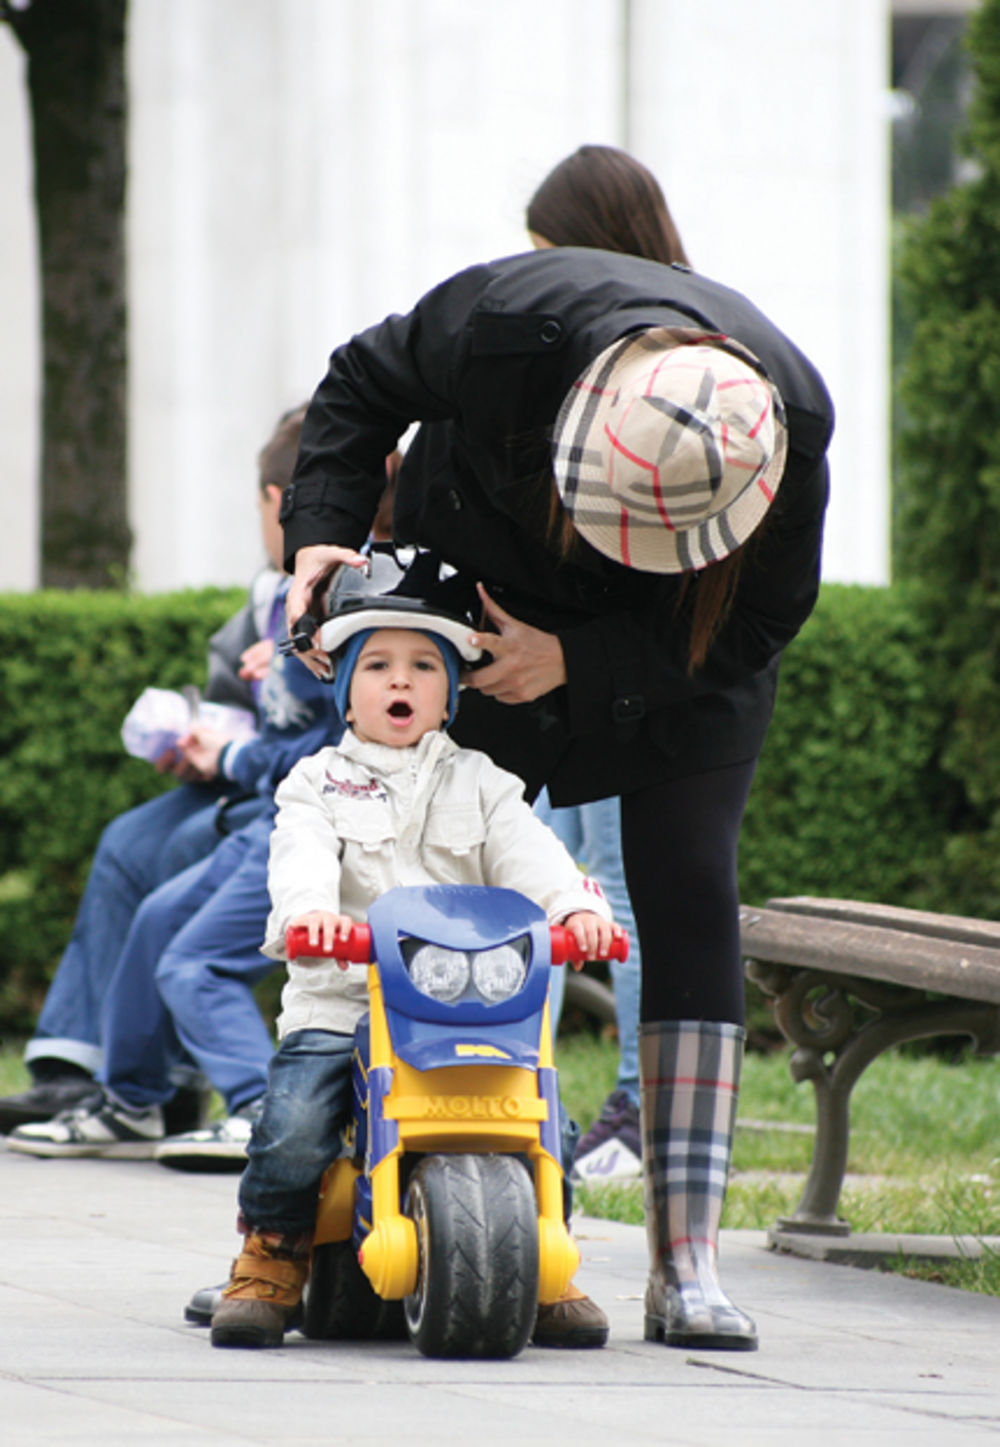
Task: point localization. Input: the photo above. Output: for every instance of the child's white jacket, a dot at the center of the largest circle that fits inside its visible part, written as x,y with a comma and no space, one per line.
360,818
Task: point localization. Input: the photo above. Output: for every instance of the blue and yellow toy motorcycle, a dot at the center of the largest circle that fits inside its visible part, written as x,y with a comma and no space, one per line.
443,1217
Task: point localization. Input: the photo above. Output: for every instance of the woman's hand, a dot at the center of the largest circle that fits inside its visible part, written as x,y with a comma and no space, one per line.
527,662
313,566
323,927
593,933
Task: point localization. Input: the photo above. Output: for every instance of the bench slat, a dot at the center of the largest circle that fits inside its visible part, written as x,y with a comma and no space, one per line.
913,921
843,946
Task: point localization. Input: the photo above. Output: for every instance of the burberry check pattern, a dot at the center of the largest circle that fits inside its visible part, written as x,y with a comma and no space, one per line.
690,1084
669,449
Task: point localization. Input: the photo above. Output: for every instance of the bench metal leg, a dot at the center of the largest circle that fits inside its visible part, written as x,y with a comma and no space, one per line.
839,1024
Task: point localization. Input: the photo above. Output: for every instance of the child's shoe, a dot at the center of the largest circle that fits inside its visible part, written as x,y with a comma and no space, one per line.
572,1321
264,1291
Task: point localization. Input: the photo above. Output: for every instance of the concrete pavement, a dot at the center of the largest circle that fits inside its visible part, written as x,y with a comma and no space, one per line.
99,1258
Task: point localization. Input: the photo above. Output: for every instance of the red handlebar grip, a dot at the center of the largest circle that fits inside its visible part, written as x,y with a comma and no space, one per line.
356,949
565,949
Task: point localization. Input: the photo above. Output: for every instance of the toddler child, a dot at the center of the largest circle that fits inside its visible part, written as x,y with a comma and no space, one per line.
395,802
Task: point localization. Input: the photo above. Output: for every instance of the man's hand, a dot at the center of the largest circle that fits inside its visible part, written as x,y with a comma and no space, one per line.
527,662
313,566
255,661
201,747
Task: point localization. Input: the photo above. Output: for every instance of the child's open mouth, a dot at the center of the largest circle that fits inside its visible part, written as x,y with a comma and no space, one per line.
401,710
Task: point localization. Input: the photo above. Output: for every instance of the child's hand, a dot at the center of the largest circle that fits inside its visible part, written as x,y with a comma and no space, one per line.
255,661
323,927
593,933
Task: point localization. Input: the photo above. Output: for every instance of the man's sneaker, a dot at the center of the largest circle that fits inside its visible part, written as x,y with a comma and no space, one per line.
45,1099
612,1149
221,1146
100,1128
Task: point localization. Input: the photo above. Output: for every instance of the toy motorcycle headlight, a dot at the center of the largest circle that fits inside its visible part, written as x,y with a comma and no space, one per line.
438,972
498,973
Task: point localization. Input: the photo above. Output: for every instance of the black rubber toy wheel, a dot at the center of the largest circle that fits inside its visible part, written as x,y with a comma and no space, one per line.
339,1300
477,1229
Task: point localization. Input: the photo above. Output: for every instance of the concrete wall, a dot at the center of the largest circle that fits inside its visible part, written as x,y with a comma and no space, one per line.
299,168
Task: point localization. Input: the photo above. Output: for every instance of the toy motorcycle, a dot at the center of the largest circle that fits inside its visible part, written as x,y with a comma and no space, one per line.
448,1197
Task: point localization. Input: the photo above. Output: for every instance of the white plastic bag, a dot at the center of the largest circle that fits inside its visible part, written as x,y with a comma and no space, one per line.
160,716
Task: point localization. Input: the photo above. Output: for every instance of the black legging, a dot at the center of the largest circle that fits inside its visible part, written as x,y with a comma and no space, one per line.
679,843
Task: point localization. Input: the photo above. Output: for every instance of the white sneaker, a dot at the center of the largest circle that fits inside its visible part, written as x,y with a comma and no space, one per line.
221,1146
100,1128
611,1150
610,1161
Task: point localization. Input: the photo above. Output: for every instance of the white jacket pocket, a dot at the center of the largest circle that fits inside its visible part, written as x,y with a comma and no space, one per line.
453,840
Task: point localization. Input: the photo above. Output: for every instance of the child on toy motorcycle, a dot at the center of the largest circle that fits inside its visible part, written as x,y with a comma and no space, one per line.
396,802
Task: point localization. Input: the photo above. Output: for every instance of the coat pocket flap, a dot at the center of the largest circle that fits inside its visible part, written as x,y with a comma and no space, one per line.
364,822
456,829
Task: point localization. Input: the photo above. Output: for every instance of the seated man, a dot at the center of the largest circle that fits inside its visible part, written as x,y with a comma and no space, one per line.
180,996
142,848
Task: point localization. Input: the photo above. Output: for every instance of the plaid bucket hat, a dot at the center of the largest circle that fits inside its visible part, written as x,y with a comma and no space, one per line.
668,450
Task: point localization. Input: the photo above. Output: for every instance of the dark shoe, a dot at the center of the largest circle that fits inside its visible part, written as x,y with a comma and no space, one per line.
202,1305
264,1292
572,1321
187,1110
611,1150
42,1101
221,1146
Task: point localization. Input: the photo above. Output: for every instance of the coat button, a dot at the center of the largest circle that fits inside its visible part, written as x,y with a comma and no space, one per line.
455,500
550,333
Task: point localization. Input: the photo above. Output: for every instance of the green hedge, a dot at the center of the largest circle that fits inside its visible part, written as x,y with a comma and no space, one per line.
71,665
847,800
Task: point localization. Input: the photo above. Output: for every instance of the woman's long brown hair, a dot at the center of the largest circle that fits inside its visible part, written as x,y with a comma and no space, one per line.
715,586
602,197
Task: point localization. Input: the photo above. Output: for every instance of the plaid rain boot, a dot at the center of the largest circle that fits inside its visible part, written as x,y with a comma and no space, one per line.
264,1291
690,1083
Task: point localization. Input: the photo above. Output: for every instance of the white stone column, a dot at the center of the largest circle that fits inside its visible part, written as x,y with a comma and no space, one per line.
768,125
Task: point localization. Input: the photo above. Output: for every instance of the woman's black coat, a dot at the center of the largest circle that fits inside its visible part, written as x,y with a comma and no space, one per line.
490,354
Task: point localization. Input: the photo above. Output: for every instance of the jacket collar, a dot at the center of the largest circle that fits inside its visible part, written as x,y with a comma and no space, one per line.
386,760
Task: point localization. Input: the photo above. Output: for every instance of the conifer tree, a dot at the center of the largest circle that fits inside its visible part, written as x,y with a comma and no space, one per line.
949,525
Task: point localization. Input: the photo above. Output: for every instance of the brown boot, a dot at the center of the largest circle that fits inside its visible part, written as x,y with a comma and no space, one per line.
264,1291
572,1321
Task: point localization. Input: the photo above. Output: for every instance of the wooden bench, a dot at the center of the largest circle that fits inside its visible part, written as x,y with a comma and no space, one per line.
850,980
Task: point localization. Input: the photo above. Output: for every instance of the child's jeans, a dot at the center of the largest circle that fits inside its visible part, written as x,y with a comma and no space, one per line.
307,1104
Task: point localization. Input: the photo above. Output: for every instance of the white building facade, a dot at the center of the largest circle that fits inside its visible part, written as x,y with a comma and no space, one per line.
300,168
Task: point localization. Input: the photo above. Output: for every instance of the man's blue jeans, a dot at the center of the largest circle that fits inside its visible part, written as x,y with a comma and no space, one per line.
136,853
183,990
592,834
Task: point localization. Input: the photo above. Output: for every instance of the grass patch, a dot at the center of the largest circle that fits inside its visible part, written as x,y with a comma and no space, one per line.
14,1075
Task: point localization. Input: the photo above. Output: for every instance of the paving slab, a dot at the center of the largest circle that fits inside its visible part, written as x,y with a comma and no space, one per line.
100,1257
